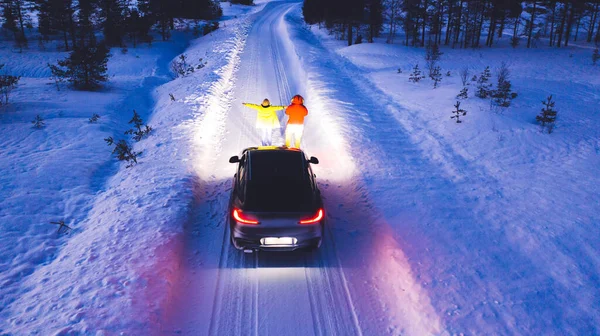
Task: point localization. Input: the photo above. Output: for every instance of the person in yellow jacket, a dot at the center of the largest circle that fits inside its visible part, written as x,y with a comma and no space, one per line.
266,119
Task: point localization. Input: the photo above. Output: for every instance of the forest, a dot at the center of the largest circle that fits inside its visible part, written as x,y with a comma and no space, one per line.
458,23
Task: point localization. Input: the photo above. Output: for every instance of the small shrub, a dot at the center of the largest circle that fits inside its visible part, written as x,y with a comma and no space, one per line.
458,112
94,118
432,55
201,64
140,130
464,93
59,75
172,97
448,74
547,117
399,70
7,84
416,75
181,67
436,76
123,151
209,28
483,87
503,95
38,122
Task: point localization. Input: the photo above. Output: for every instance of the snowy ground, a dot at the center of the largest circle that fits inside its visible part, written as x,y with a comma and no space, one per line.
484,227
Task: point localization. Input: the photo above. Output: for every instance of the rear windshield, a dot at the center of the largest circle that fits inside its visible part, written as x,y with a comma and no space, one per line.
278,182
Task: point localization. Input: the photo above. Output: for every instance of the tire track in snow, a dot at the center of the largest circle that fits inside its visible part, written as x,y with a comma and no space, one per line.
327,286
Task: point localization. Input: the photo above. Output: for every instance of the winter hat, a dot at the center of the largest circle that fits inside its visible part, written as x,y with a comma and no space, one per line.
265,103
297,99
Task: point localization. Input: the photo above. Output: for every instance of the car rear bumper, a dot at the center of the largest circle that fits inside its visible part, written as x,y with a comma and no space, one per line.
249,237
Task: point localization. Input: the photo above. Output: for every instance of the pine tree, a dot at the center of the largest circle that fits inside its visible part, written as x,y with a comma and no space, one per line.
436,75
547,117
16,18
374,9
464,93
7,84
85,67
432,55
56,17
112,16
84,27
140,130
458,112
137,26
38,122
503,95
415,76
483,87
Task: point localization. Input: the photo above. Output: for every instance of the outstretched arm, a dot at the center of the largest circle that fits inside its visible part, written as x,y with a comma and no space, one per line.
278,107
254,106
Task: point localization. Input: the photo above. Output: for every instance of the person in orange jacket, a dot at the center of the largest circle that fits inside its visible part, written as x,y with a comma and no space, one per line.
266,119
295,124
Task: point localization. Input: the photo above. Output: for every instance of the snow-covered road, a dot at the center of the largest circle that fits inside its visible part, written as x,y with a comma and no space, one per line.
426,234
223,291
417,241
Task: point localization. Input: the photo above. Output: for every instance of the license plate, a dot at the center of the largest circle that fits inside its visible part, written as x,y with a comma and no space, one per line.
279,241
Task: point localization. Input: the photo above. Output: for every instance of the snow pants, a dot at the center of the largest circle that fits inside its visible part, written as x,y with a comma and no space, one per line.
293,132
266,135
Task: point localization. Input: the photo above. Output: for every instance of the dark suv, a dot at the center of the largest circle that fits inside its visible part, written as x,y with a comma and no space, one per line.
275,203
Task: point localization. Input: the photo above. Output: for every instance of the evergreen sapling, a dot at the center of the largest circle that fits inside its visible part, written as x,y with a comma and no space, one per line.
483,87
38,122
123,151
547,117
503,95
415,76
436,75
94,118
140,130
458,112
7,84
464,93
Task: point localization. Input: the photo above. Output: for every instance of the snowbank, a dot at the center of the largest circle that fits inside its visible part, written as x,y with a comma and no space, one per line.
114,272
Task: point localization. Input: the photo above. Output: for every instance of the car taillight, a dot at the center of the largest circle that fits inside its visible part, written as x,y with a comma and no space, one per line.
314,219
237,214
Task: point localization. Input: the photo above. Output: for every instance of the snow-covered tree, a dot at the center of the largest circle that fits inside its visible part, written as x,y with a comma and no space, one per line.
464,93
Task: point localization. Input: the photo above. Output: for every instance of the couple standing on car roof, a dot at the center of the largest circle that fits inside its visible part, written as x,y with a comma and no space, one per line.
267,120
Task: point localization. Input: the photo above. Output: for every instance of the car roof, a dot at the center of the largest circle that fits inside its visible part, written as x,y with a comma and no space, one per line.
278,180
274,165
